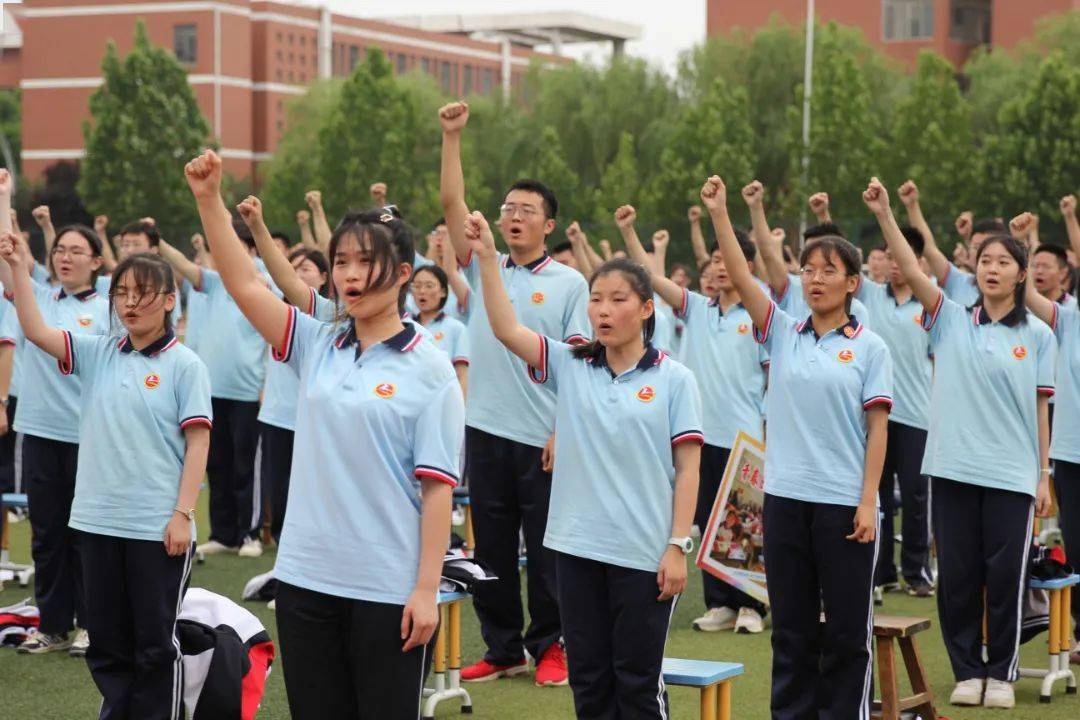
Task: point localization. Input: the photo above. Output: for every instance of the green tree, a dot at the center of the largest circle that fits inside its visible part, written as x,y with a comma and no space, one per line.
620,184
11,125
145,126
545,161
932,141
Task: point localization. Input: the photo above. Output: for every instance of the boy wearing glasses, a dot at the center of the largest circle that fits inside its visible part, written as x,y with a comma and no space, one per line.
510,419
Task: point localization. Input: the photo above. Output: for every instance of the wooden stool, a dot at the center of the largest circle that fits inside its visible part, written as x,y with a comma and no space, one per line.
446,665
713,678
1060,640
902,629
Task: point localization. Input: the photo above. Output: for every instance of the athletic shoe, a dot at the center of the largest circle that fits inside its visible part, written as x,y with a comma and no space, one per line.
551,670
1074,659
968,692
890,586
483,671
923,590
215,548
879,596
39,643
251,548
749,622
716,619
272,605
80,643
999,694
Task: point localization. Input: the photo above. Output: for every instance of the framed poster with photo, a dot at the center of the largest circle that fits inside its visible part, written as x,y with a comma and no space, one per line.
731,543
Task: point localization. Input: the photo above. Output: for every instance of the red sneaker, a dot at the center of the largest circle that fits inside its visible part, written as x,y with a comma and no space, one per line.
551,670
483,671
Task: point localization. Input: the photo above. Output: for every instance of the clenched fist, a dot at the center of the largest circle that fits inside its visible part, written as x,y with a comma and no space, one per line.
250,209
876,197
625,217
1021,225
204,175
909,193
454,117
378,193
963,224
42,216
694,213
661,239
302,217
313,198
714,193
1068,205
819,205
101,222
754,194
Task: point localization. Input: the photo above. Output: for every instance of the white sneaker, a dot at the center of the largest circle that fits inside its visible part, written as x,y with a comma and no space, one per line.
215,548
715,620
251,548
272,605
749,622
968,692
999,694
79,644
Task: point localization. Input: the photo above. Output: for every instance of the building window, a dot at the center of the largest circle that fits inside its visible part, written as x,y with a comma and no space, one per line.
291,58
467,80
291,77
303,59
354,56
303,40
291,38
487,81
425,65
303,77
970,21
279,75
444,75
907,19
185,46
402,61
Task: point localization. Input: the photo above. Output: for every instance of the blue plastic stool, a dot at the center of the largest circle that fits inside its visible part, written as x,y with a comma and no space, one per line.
1060,641
711,677
446,670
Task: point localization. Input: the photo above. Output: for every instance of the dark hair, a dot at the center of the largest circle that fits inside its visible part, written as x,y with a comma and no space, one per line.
318,260
749,249
679,266
562,247
788,256
834,246
876,248
282,236
437,223
641,285
989,226
440,277
141,227
244,233
92,240
151,273
823,230
551,203
914,238
1016,249
1057,251
388,241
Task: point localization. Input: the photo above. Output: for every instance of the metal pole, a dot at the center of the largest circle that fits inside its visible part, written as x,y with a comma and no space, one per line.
808,87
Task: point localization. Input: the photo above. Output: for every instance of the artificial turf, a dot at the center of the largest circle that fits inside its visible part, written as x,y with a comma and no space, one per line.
56,687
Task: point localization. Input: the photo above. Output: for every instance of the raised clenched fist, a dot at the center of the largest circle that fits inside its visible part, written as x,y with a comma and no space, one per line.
101,222
625,217
9,249
198,242
714,193
204,175
876,197
454,117
963,224
778,235
694,213
909,193
41,216
661,239
302,217
313,198
378,193
574,233
478,235
6,185
250,209
819,204
754,194
1068,205
1021,225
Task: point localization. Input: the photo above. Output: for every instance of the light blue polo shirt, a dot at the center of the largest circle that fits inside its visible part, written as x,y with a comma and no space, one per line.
11,334
719,349
1065,443
664,328
959,285
793,302
194,315
49,403
136,405
612,491
451,336
234,352
983,414
900,326
819,391
552,300
369,427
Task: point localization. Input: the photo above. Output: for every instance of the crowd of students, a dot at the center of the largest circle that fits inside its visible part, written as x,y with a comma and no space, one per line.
326,384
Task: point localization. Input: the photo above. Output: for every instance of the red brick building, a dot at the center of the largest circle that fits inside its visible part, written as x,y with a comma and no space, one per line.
245,59
952,28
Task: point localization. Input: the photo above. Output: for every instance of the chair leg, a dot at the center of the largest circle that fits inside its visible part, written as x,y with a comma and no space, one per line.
890,709
723,701
708,703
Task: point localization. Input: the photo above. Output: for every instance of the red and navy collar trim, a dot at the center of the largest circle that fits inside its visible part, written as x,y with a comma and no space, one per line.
404,341
850,330
534,267
81,296
157,347
715,302
651,358
1064,297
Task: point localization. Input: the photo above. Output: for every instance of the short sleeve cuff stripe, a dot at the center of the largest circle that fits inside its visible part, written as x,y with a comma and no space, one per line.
67,364
196,420
928,320
461,361
681,311
1054,316
463,304
761,335
7,341
199,284
576,340
878,400
945,278
688,436
779,296
427,471
311,302
468,260
283,353
9,296
539,374
1045,390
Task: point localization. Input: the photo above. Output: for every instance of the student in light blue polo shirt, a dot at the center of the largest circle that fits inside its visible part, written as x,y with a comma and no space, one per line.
830,389
48,419
235,354
625,481
144,436
719,348
986,453
379,428
896,315
430,290
510,421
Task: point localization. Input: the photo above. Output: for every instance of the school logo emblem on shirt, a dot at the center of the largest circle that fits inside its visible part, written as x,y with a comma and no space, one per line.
646,394
538,298
743,329
1019,352
85,320
918,319
845,356
385,390
151,381
849,332
439,335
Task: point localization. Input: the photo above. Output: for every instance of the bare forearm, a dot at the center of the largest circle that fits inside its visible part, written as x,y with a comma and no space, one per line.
306,238
938,262
322,229
189,270
697,242
434,533
452,193
684,500
1044,432
34,327
294,289
1072,229
197,438
517,338
7,367
876,437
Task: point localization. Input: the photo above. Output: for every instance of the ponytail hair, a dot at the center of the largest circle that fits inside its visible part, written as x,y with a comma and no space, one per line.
640,284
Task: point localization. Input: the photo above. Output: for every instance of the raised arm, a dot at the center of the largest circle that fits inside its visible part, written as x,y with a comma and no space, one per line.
1072,226
266,313
295,290
448,262
819,205
303,221
770,246
605,251
669,290
1043,308
101,227
43,218
909,196
579,244
453,118
517,338
378,193
877,200
318,220
697,237
660,241
754,299
187,269
50,339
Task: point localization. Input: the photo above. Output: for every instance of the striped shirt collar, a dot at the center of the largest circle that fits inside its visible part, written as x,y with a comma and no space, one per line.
404,341
81,296
157,347
849,330
534,267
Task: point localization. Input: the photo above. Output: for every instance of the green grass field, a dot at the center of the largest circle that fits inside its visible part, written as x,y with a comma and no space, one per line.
56,687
